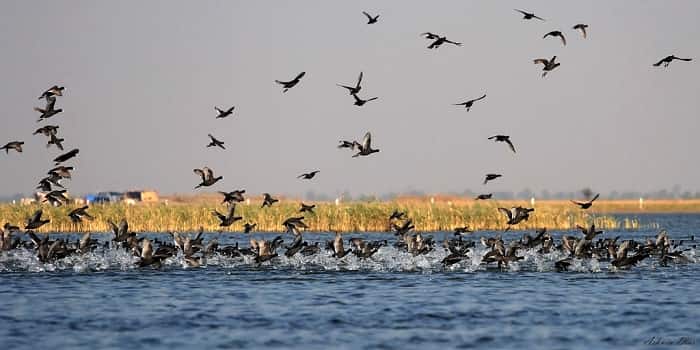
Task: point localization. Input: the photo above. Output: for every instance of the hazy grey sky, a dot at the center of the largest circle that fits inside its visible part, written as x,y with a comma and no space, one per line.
142,78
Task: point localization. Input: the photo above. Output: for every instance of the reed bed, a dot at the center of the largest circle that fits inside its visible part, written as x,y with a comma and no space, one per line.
346,217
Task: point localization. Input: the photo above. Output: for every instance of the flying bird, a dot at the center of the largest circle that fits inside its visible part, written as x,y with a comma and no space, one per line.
268,201
229,219
290,84
247,227
307,208
66,156
503,138
223,114
35,221
215,143
52,91
370,19
556,33
233,197
587,204
438,40
15,145
360,102
365,147
527,15
582,27
207,176
516,214
549,65
468,104
668,59
484,196
54,140
308,176
490,177
354,89
76,215
61,171
47,130
48,111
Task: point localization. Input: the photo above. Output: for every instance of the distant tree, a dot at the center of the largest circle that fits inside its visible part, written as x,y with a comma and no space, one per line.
587,193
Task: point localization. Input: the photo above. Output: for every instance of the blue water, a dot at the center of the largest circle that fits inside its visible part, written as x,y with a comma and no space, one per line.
394,301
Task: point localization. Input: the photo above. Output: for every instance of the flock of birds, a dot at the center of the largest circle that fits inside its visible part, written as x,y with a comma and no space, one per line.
195,251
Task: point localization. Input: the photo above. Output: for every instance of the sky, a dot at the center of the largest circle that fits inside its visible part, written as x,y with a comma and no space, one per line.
142,79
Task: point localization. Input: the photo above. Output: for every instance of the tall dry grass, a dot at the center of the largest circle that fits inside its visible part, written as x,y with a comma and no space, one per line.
346,217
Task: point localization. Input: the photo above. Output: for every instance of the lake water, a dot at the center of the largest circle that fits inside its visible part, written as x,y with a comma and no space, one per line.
392,301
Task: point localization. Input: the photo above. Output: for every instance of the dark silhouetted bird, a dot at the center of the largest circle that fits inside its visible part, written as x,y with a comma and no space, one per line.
503,138
54,140
233,197
76,215
214,142
582,27
66,156
223,114
468,104
370,19
207,176
35,221
268,201
462,230
360,102
516,214
549,65
47,130
290,84
527,15
56,197
490,177
307,208
61,171
668,59
247,227
484,196
48,111
588,204
397,215
365,147
308,176
556,33
15,145
229,219
438,40
354,90
52,91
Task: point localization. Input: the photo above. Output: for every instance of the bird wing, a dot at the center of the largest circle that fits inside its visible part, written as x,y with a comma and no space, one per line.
359,80
369,17
220,216
540,18
594,198
212,137
230,110
523,12
218,110
453,42
200,172
367,141
541,60
512,148
347,87
506,212
37,215
357,99
563,39
123,227
300,75
684,59
577,202
480,98
209,173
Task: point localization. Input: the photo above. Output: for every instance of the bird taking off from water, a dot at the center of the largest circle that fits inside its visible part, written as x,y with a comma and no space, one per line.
528,15
290,84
